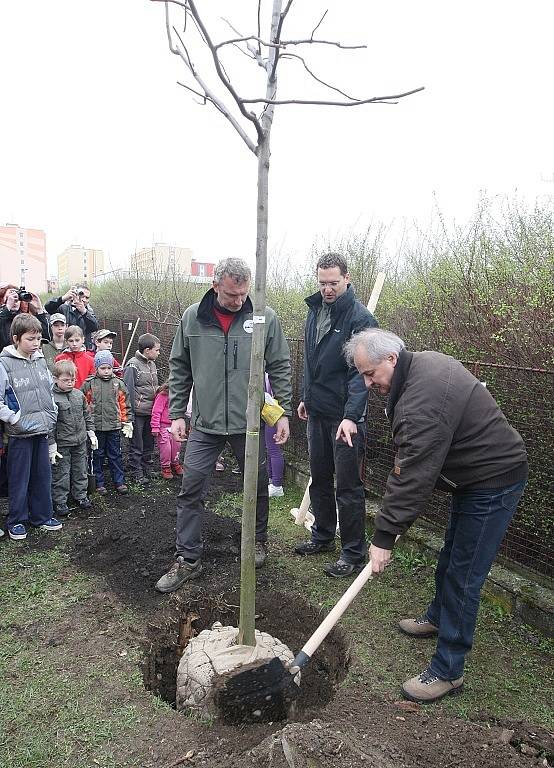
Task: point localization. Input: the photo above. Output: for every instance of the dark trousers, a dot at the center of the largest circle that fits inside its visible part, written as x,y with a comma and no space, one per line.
477,524
201,454
109,446
30,479
141,446
327,459
70,473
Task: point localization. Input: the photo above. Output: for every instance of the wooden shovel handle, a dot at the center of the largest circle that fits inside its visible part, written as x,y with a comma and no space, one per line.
311,646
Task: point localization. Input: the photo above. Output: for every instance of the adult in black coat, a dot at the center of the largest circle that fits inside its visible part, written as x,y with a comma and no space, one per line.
74,305
333,402
11,306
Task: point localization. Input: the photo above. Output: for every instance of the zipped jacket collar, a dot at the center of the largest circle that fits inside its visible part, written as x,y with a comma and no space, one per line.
398,382
338,307
205,313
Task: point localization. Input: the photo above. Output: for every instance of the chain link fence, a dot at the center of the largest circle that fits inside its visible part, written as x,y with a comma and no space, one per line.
526,396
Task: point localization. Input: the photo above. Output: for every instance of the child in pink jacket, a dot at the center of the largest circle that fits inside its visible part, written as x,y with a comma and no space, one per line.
168,446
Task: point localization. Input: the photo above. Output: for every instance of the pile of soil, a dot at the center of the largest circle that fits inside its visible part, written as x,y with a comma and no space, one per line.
130,543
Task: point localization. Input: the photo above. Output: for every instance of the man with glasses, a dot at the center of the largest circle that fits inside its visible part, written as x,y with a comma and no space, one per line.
333,402
74,305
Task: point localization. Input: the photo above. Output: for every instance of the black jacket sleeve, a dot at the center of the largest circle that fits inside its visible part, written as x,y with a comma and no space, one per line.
53,305
355,405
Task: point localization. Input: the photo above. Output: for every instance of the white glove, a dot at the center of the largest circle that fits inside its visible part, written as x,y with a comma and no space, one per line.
53,454
93,439
127,429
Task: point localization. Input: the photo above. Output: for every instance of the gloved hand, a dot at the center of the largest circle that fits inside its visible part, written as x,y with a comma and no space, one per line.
93,439
53,454
127,429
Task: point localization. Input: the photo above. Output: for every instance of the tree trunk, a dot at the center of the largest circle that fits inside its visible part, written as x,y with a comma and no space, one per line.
255,384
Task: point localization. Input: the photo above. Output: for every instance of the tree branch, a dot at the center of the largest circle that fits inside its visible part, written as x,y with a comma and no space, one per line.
253,52
373,100
317,26
239,102
277,39
315,77
208,94
284,43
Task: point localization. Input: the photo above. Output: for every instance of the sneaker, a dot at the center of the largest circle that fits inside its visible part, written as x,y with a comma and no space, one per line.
342,568
101,490
275,490
428,687
260,554
51,525
417,627
179,572
61,510
17,532
122,489
236,470
311,548
167,473
85,503
177,468
220,466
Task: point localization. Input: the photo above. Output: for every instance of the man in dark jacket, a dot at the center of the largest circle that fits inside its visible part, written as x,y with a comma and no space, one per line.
448,433
211,351
74,305
334,403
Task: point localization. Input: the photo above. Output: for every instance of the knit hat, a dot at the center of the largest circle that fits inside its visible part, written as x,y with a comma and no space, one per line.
104,357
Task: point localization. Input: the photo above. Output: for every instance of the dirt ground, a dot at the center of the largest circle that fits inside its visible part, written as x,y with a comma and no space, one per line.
339,722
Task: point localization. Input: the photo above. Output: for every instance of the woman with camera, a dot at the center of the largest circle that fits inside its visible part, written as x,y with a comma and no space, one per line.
14,301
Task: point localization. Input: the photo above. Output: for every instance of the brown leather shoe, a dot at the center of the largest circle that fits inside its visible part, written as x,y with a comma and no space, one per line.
417,627
426,687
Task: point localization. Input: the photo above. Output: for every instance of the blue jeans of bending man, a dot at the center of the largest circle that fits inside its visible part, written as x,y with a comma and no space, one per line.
477,524
201,455
327,459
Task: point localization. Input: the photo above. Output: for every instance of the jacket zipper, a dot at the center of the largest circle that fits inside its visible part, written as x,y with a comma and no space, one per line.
448,482
225,346
235,352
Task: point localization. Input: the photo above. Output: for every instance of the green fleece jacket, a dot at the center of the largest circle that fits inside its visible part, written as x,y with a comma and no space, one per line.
218,365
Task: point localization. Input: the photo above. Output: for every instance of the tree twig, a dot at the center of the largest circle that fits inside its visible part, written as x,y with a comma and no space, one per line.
315,77
373,100
311,41
314,30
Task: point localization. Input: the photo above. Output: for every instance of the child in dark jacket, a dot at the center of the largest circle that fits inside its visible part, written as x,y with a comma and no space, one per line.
77,353
108,400
73,426
169,447
141,378
29,415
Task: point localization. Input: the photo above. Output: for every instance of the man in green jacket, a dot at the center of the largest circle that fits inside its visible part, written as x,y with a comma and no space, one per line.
211,351
448,432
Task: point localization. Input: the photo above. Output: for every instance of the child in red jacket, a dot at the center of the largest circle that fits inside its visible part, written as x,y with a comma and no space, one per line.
77,353
159,422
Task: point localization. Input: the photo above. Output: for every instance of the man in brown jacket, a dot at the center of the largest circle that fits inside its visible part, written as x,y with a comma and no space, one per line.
449,433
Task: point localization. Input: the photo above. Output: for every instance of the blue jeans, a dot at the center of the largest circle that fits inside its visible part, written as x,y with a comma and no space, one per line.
30,477
477,524
108,445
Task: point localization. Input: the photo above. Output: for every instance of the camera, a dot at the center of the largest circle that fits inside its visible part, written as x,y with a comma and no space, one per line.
78,291
23,294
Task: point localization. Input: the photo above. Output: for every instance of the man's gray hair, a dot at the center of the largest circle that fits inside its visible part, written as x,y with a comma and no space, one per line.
237,269
375,342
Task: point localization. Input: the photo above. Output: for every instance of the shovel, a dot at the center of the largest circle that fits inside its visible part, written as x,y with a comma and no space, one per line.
267,689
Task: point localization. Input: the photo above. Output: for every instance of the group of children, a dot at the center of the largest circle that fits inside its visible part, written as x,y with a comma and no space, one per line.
60,405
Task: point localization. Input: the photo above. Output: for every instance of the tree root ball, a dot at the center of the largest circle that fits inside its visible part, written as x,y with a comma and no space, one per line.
215,652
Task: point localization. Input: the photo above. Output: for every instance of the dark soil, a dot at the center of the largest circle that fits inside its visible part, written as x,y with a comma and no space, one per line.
129,542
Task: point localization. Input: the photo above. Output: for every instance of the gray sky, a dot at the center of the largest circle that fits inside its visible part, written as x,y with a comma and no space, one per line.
101,147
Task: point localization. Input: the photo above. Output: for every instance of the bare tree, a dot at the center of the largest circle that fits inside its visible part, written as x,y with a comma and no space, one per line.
254,128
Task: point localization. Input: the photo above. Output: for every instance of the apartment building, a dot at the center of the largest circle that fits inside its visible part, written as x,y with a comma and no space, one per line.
77,265
23,257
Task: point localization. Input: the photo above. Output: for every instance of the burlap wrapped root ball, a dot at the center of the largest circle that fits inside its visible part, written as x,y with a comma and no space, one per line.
215,652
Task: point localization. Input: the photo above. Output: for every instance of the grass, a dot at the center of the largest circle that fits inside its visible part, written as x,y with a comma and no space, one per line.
506,675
